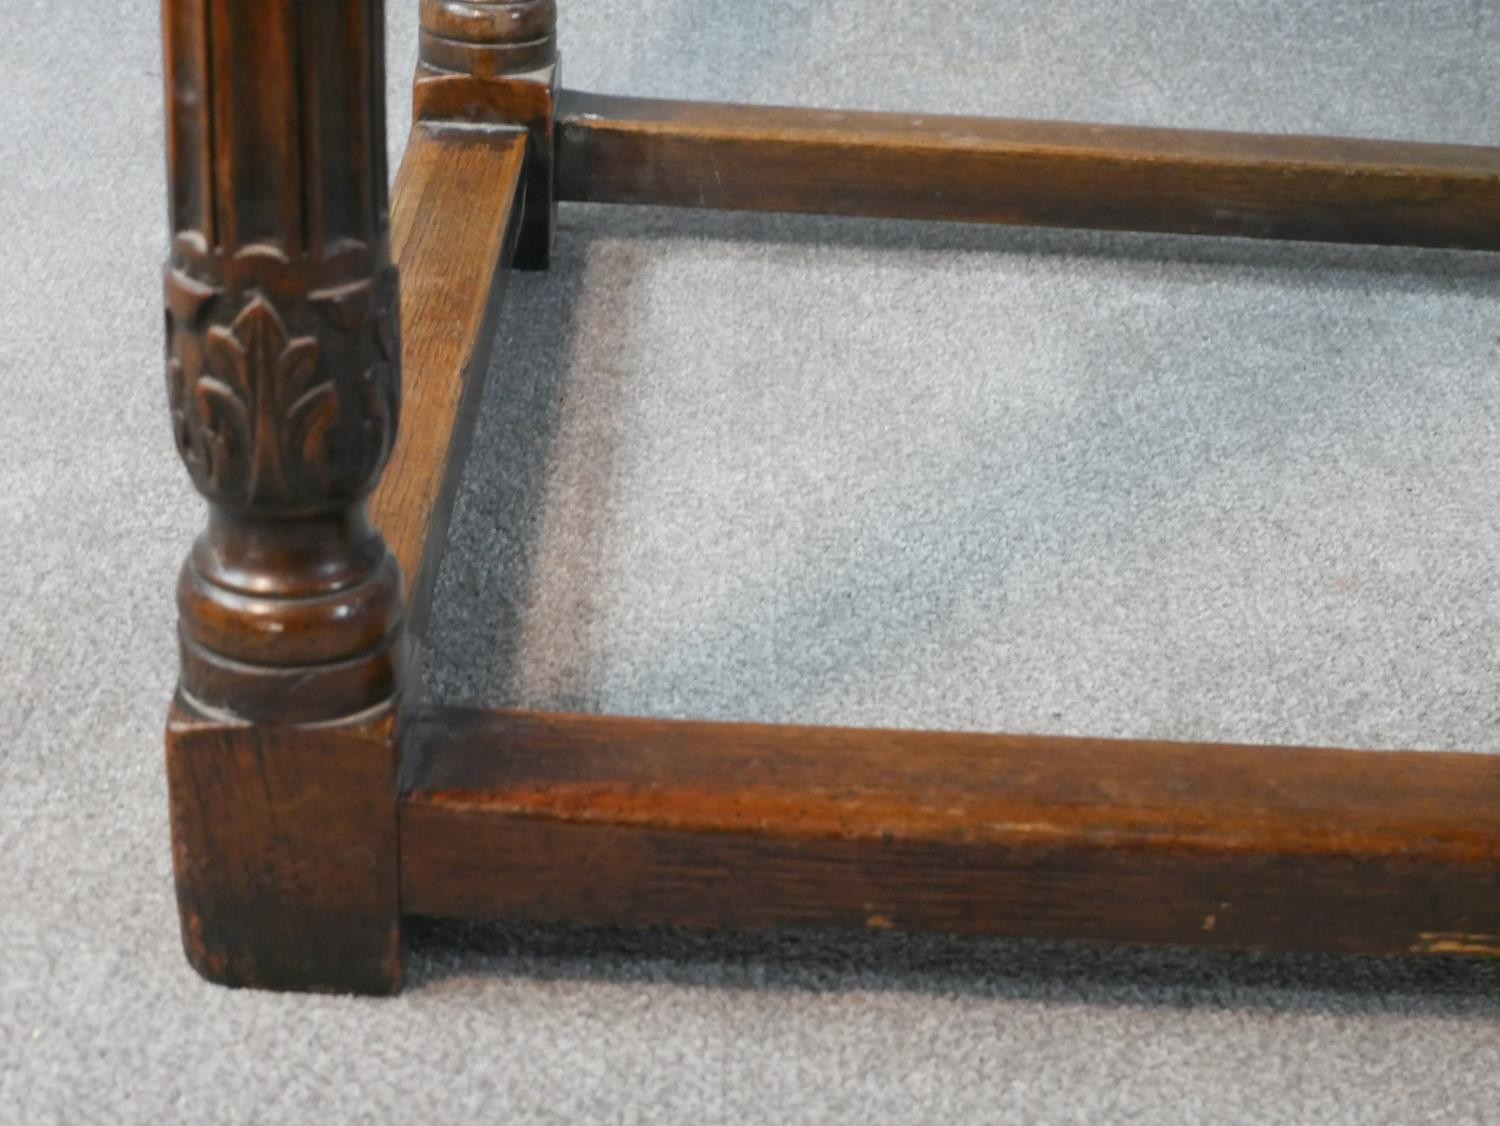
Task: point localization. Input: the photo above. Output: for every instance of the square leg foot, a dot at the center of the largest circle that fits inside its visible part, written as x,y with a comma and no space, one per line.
285,849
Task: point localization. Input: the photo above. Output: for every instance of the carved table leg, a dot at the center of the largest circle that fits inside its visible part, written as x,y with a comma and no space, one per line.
496,61
282,372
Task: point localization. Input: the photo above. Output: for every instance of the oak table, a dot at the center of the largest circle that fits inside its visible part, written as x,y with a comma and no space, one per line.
325,347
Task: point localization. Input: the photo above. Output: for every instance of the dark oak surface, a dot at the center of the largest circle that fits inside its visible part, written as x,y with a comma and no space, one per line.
283,363
650,821
283,383
453,228
495,62
290,350
638,150
285,852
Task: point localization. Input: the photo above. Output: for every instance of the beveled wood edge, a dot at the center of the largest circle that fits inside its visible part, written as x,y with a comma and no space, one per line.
717,119
454,221
923,166
645,821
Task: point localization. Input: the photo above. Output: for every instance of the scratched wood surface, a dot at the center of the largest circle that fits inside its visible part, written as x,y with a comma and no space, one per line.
993,170
613,820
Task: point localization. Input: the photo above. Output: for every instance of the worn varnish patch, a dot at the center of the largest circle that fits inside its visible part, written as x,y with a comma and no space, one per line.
626,820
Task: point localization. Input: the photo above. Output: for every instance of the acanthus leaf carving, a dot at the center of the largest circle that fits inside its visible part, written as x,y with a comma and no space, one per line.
283,409
261,385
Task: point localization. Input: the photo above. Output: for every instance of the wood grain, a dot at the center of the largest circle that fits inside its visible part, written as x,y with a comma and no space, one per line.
610,820
284,848
282,366
490,98
283,388
495,61
992,170
453,230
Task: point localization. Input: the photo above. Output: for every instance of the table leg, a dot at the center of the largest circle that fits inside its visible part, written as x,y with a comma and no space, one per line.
283,378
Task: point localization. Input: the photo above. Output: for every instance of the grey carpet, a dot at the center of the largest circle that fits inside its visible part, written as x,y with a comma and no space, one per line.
798,469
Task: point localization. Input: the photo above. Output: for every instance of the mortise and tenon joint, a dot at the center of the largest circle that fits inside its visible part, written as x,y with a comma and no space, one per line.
495,62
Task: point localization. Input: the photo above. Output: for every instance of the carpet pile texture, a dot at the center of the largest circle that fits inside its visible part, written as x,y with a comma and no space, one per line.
810,470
